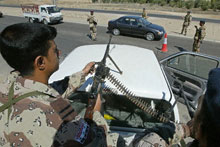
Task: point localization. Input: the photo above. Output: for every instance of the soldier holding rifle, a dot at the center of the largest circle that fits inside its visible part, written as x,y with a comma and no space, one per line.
199,36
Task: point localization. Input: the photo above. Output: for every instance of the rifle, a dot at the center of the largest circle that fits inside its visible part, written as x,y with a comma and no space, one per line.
101,72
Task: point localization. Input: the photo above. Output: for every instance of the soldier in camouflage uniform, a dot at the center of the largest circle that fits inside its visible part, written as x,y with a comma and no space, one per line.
199,36
186,23
204,127
144,13
33,113
92,25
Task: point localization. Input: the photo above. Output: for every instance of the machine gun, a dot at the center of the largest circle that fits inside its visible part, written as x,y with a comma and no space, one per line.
101,73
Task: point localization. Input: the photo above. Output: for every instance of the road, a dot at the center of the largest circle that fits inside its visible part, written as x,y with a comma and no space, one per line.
72,35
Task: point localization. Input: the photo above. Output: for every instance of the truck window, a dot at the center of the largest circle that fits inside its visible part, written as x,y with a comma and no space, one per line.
53,9
43,10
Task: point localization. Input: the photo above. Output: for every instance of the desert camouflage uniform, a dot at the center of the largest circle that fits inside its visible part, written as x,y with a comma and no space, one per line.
92,26
144,14
186,23
198,38
172,134
47,118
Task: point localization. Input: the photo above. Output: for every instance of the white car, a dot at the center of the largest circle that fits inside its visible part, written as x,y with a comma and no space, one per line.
141,75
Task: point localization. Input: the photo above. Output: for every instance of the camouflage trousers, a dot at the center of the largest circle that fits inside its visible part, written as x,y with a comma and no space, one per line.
196,46
184,29
93,32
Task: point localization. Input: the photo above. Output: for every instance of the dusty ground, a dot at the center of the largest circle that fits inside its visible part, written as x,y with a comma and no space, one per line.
172,26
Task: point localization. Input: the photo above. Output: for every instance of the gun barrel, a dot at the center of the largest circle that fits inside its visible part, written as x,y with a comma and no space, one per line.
106,51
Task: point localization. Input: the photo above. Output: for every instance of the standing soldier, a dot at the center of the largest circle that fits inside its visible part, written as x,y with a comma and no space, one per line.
199,36
144,13
92,25
186,23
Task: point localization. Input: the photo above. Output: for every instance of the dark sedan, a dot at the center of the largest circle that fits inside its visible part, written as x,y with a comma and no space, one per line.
137,26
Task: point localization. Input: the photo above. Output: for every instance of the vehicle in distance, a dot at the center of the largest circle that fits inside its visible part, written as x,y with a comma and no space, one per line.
141,75
136,26
42,13
1,14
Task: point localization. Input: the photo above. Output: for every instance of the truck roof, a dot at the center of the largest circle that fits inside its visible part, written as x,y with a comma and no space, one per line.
47,5
142,73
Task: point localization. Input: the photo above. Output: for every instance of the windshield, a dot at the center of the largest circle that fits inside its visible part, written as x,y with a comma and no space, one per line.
53,9
119,111
144,21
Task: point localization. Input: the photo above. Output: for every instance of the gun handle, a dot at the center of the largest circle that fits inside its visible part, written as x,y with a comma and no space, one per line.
90,108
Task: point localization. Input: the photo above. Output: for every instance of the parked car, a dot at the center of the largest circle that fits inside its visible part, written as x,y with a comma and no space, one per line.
137,26
1,14
141,75
187,73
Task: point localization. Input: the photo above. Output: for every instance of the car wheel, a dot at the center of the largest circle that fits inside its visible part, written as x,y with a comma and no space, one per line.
150,36
45,22
31,20
115,32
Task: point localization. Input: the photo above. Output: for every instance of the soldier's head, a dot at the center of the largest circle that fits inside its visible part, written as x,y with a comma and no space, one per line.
144,9
207,118
202,22
91,12
188,12
27,47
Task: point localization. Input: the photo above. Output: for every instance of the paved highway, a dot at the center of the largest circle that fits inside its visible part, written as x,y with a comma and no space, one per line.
130,13
71,35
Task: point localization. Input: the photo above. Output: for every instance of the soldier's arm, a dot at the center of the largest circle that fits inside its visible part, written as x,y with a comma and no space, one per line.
69,84
72,129
181,131
190,18
202,34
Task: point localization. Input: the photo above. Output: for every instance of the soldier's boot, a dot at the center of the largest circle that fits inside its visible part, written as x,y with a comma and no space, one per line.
182,30
185,32
94,37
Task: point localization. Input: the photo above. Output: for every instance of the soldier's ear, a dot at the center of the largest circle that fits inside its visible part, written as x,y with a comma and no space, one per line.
39,63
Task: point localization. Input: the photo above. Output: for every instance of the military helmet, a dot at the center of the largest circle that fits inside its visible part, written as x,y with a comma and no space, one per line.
202,21
188,11
212,95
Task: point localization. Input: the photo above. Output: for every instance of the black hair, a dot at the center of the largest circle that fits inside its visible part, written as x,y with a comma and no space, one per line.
208,111
21,43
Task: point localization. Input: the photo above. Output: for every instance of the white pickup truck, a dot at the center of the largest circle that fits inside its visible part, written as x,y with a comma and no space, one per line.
42,13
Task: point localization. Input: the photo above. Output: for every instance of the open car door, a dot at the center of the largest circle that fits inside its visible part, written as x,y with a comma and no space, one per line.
187,73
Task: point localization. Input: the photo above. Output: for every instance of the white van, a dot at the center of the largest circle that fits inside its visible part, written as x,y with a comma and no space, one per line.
42,13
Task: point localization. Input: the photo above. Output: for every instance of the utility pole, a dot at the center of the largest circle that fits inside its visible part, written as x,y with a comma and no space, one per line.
54,2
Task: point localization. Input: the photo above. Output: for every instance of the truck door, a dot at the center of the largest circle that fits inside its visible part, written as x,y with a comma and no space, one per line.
191,71
43,12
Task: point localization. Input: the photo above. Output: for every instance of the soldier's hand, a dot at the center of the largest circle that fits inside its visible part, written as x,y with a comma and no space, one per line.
196,27
89,68
190,125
